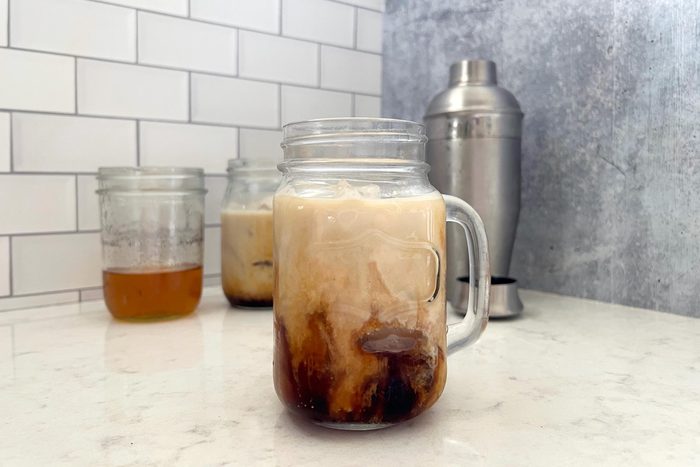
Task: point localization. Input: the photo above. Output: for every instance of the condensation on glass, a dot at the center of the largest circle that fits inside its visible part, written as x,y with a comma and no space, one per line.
152,240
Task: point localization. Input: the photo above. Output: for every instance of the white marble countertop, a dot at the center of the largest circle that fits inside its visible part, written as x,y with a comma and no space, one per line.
572,382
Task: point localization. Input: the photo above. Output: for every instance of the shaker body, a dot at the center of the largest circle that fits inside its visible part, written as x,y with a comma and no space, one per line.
474,131
484,172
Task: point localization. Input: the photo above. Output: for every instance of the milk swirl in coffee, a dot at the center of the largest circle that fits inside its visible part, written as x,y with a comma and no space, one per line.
359,304
246,231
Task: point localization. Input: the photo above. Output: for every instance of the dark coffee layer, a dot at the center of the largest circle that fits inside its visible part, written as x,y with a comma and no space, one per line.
248,303
406,382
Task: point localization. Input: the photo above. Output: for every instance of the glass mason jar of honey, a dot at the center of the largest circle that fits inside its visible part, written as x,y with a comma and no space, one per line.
246,233
152,222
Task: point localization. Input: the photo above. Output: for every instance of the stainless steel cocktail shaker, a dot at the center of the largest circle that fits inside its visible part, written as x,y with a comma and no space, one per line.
474,130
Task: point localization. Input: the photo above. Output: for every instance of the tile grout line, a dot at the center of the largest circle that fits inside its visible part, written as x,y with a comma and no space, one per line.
12,276
238,144
136,30
356,26
279,106
189,97
108,2
319,66
12,144
75,86
199,72
159,120
9,2
59,232
356,6
281,16
39,294
243,28
78,291
77,207
68,174
238,52
138,143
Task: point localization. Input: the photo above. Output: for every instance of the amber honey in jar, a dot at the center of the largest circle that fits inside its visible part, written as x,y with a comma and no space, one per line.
246,233
152,240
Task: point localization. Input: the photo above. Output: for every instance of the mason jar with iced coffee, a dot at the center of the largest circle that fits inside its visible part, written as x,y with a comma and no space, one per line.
246,232
361,339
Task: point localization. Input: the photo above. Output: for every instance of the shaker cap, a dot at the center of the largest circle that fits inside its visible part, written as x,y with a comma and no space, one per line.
473,87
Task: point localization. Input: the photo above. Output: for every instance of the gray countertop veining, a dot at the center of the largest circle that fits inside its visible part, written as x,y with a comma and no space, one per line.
572,382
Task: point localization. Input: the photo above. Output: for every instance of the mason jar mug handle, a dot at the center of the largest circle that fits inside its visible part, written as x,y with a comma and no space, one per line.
467,331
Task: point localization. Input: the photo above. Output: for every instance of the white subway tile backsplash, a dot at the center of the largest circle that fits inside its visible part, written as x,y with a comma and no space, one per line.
304,104
209,147
234,101
31,301
260,144
212,281
377,5
131,91
4,266
318,20
278,59
88,203
74,27
262,15
53,143
181,43
88,295
37,203
175,7
47,263
36,81
212,250
369,30
4,142
3,23
368,106
90,83
216,187
348,70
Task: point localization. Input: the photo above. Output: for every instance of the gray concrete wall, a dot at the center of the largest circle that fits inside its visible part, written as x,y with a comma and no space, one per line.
611,150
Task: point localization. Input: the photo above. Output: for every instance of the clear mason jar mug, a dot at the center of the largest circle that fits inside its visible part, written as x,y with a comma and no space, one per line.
152,222
361,338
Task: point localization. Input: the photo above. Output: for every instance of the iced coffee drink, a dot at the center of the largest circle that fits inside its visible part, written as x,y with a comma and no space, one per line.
246,257
359,307
246,232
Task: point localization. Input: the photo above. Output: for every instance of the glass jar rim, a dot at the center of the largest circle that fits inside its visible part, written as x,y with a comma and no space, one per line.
356,141
252,167
151,179
326,129
355,166
149,171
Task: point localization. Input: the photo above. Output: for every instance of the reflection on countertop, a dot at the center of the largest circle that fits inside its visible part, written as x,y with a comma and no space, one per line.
572,382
